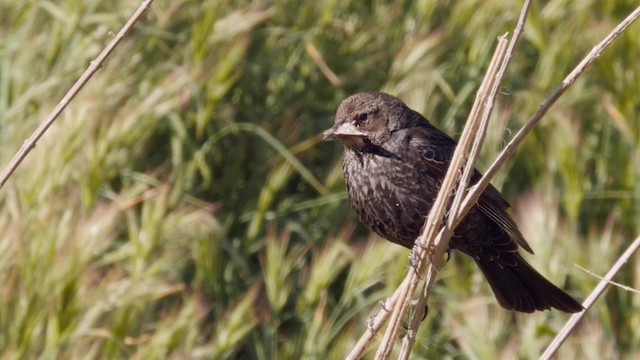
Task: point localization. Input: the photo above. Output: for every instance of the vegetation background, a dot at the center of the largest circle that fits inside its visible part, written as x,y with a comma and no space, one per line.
184,205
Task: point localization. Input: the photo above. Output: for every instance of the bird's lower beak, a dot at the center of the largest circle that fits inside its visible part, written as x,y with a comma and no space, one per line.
342,131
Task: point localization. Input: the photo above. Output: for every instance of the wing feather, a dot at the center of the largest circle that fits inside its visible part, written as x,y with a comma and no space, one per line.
437,149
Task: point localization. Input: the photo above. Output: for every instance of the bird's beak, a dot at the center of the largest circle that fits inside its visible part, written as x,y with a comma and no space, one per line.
342,131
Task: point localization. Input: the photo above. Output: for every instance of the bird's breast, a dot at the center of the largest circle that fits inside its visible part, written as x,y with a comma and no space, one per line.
390,195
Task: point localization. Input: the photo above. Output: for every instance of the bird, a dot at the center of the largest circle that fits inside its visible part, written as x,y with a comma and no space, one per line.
395,160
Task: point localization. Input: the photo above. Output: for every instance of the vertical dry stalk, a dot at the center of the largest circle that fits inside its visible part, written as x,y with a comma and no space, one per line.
435,219
479,116
475,130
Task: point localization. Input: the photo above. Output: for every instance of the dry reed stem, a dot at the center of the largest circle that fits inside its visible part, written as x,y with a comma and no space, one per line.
478,121
473,194
475,128
508,151
591,299
94,66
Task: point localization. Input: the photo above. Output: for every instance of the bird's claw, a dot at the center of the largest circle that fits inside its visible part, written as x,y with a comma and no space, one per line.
370,324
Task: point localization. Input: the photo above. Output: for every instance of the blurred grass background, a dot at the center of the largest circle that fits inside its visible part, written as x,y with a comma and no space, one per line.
185,207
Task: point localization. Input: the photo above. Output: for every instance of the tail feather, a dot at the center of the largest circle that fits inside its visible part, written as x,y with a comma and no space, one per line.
520,287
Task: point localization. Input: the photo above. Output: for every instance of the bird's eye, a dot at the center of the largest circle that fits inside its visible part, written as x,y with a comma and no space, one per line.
362,118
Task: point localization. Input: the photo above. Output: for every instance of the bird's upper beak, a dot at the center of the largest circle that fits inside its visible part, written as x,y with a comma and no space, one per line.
343,131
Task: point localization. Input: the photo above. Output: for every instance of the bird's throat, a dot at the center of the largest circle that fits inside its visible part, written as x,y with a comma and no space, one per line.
354,142
369,148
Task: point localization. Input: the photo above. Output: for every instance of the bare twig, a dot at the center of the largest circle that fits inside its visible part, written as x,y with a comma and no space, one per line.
623,287
95,65
595,294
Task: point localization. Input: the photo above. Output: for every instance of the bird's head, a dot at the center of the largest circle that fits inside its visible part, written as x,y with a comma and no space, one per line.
367,118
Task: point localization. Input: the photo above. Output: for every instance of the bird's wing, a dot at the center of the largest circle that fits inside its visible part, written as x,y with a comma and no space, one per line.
493,205
436,149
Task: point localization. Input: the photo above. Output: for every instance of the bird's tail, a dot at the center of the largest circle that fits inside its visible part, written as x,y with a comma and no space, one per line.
522,288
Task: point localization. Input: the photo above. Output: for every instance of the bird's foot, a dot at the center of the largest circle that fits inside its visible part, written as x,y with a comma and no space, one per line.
372,320
383,306
370,324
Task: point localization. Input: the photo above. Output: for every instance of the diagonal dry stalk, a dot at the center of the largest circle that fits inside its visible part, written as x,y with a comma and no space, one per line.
94,66
509,150
595,294
407,288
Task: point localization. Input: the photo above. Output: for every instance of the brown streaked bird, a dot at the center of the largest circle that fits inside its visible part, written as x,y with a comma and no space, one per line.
394,162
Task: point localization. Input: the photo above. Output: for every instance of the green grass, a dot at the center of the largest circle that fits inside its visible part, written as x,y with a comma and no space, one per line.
184,206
